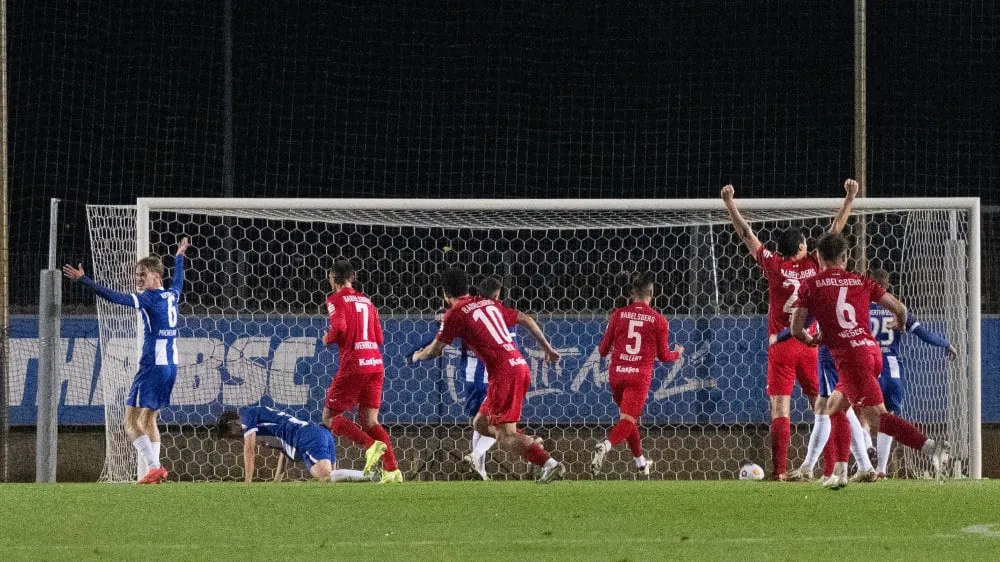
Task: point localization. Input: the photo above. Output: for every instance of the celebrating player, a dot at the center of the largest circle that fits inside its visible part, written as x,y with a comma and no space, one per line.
786,361
636,336
839,300
356,329
157,372
891,378
300,441
482,323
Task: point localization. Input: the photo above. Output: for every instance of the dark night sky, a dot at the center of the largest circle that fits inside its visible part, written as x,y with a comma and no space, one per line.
110,100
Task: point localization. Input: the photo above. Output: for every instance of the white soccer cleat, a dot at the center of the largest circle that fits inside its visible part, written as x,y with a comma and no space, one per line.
600,451
838,479
940,457
478,464
549,474
864,476
644,469
799,475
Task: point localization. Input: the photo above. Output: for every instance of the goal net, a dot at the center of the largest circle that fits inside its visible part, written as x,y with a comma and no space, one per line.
253,321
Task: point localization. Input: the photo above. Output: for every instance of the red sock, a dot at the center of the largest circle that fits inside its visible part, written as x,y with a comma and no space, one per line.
635,441
781,435
829,456
620,431
902,430
840,434
535,454
379,433
342,427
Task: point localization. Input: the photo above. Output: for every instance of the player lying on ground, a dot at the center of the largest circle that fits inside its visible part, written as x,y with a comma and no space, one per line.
839,300
482,324
636,336
892,377
154,381
788,361
300,441
356,329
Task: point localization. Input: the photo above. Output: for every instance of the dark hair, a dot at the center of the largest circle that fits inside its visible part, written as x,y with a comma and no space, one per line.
881,277
832,247
222,425
152,264
789,240
489,286
455,282
342,271
642,284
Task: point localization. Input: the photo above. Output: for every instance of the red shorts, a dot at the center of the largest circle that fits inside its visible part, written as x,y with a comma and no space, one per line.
859,369
630,392
505,396
349,389
789,361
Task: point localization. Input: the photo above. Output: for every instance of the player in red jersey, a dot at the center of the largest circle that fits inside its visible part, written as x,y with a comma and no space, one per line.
789,360
839,300
636,336
357,331
482,323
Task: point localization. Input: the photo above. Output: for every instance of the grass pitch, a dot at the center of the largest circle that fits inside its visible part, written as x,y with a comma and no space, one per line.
614,521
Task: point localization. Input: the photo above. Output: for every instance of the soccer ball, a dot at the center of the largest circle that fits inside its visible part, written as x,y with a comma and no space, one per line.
751,471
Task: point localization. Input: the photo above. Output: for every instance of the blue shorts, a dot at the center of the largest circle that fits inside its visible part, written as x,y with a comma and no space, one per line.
314,443
152,386
891,381
475,393
828,377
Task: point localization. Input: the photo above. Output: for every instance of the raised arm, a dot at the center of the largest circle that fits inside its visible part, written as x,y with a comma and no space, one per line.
739,223
551,355
77,274
249,456
840,221
929,337
178,280
430,352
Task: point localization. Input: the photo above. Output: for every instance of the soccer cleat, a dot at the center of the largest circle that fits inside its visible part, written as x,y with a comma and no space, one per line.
880,476
838,479
549,474
372,455
478,464
864,476
799,475
393,477
783,477
644,469
940,457
154,476
598,461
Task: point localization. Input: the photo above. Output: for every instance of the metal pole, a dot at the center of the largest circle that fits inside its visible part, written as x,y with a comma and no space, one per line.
46,422
860,130
4,251
227,101
53,231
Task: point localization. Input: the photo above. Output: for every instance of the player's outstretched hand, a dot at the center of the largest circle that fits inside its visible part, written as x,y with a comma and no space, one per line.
951,352
851,187
679,350
183,246
728,193
73,273
551,355
415,356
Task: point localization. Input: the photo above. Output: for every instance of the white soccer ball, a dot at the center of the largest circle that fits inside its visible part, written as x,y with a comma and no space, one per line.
751,471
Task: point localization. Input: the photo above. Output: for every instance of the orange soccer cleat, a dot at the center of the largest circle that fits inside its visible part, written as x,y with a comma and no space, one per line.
154,476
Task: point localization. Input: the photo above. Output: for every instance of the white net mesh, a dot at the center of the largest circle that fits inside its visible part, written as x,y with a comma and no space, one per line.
252,323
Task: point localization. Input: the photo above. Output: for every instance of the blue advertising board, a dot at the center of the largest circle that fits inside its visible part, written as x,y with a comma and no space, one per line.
231,362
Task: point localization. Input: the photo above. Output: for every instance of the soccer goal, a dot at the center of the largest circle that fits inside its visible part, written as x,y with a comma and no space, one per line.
256,279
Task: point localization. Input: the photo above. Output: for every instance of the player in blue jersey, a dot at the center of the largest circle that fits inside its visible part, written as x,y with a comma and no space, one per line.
310,443
475,379
891,379
154,380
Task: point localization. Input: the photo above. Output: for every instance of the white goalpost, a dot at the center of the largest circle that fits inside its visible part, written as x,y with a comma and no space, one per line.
256,279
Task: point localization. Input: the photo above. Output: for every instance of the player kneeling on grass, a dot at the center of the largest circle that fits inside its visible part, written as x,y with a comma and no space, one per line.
301,441
839,300
482,323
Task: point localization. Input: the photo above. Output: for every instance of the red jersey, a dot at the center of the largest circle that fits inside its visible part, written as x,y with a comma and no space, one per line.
784,277
636,336
482,324
839,300
356,329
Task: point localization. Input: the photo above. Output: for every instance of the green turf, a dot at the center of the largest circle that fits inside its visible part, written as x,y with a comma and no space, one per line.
501,521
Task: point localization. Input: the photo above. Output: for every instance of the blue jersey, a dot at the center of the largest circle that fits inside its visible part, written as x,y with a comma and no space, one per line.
882,324
158,308
268,422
